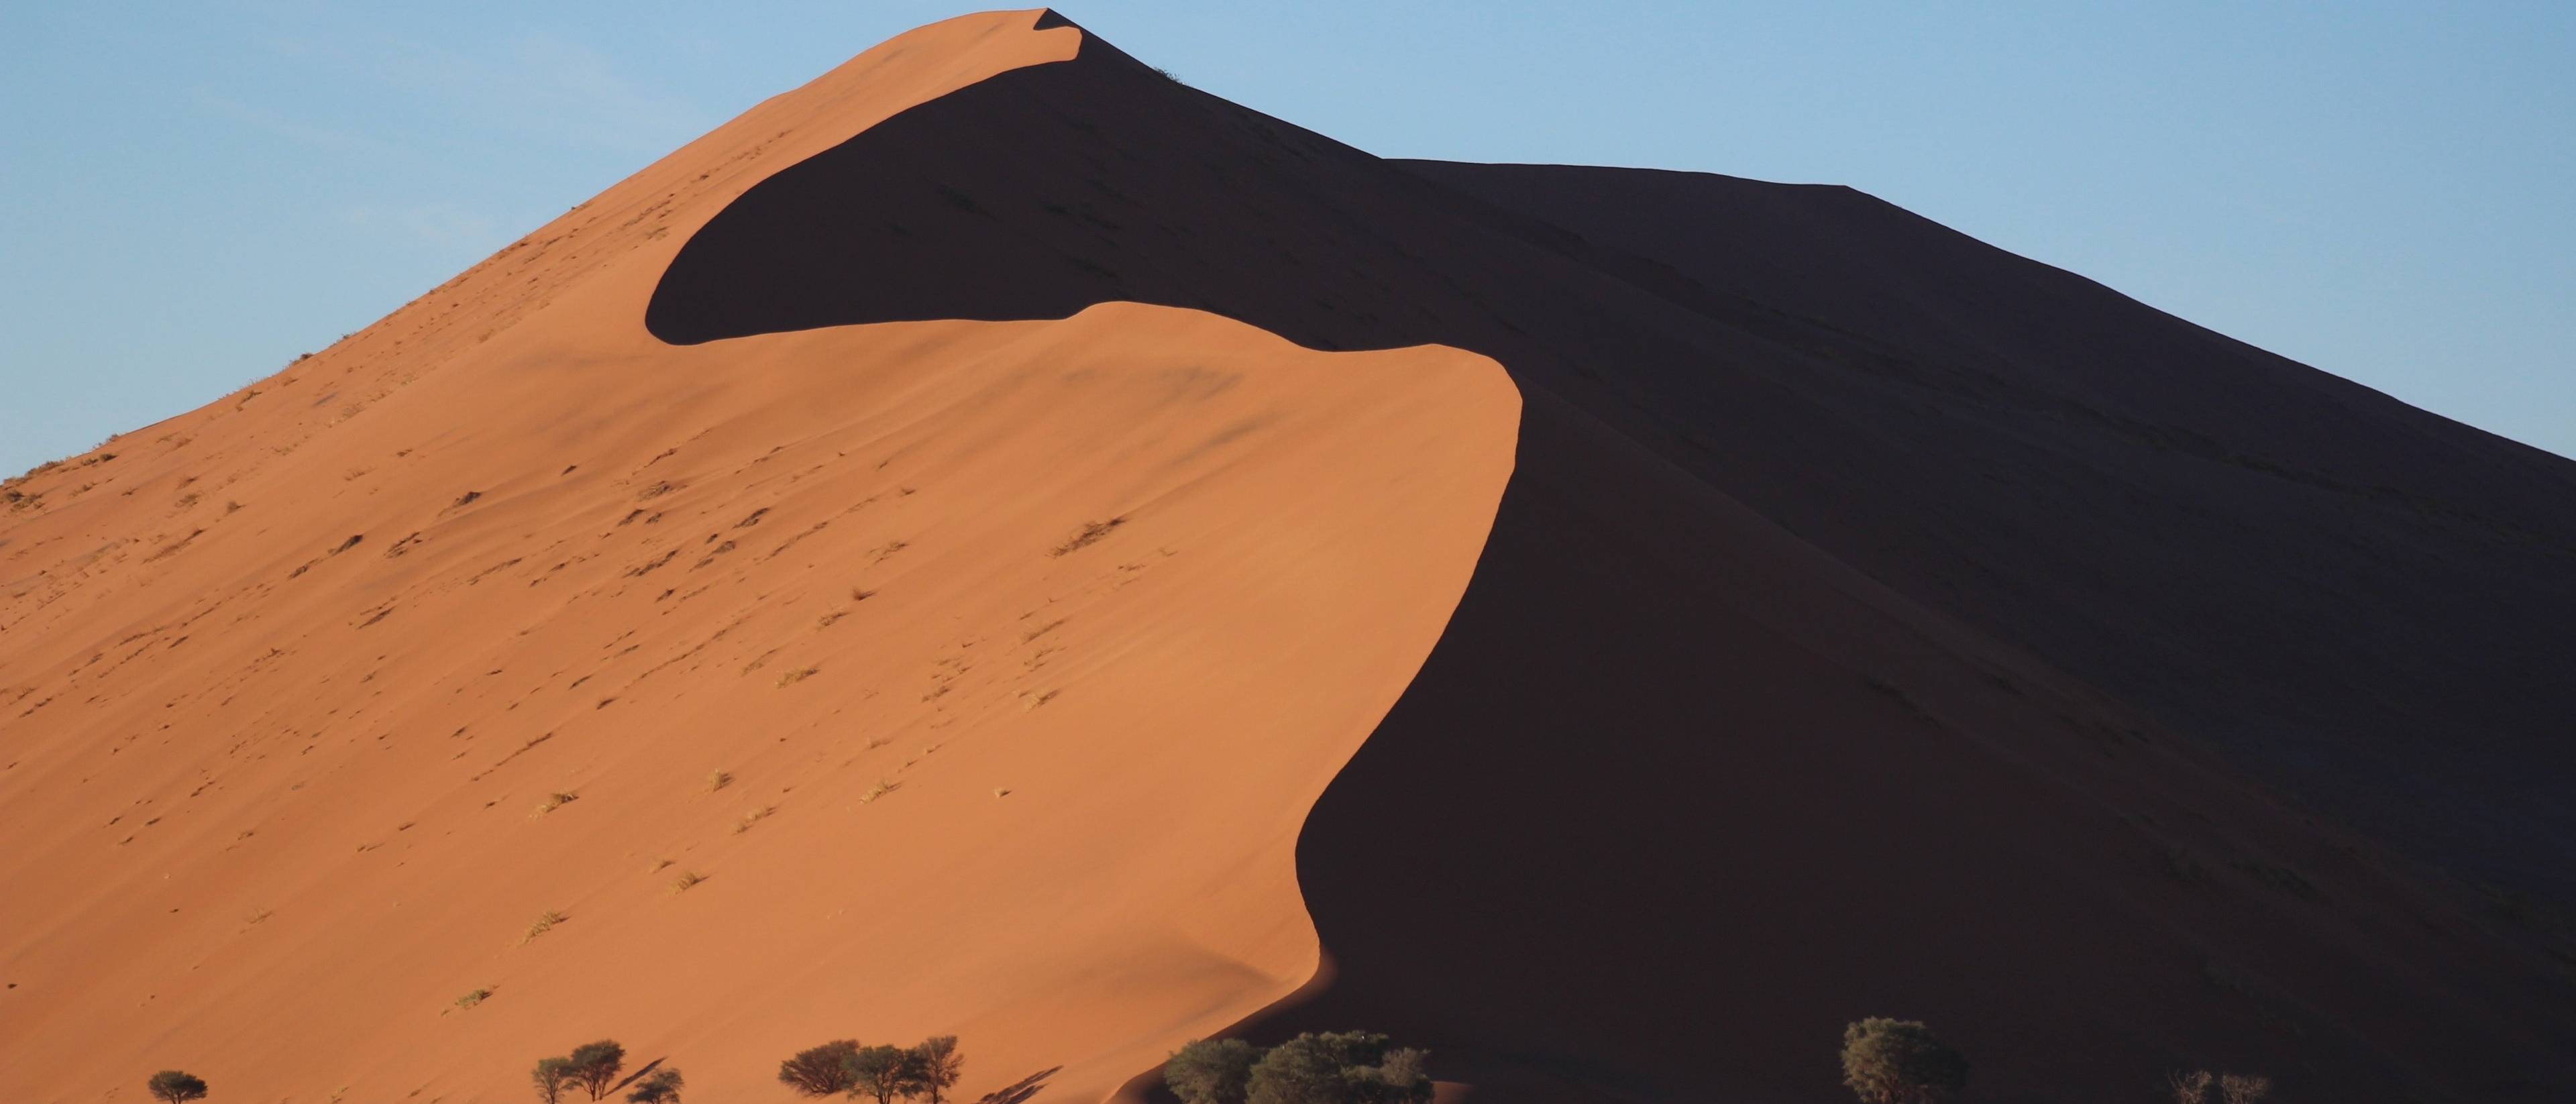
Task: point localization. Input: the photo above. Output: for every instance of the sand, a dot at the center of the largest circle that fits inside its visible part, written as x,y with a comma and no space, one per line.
1072,563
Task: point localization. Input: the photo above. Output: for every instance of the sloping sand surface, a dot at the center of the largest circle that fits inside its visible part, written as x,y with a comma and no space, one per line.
1654,652
1024,649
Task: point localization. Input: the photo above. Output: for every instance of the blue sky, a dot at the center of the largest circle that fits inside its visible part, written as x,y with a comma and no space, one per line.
192,194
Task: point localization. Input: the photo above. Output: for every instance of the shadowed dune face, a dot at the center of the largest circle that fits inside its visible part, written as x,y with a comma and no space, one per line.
1645,804
2363,603
884,451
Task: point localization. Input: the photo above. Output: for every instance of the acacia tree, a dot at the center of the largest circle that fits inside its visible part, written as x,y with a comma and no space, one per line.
2233,1088
1211,1071
594,1066
551,1077
176,1087
1398,1078
822,1071
662,1086
1339,1067
883,1072
936,1066
1899,1062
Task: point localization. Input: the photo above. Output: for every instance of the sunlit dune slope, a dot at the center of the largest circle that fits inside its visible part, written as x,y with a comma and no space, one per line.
1149,570
1023,648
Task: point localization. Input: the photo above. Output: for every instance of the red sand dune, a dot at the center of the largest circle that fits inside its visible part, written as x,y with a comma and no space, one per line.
1713,611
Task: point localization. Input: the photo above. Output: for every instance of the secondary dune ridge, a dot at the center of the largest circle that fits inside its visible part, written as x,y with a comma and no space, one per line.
1840,644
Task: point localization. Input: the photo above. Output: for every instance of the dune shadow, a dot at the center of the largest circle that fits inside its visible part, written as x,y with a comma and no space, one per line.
1626,831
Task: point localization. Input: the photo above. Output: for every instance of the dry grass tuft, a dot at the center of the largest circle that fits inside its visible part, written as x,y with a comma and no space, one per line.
881,789
555,801
686,879
717,780
476,997
753,817
798,675
1091,531
545,922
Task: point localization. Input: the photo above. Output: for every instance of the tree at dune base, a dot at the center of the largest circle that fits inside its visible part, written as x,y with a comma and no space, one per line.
1346,1067
662,1086
924,1071
176,1087
2231,1088
1900,1062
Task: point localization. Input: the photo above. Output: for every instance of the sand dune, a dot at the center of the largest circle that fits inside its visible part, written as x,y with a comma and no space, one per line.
1123,553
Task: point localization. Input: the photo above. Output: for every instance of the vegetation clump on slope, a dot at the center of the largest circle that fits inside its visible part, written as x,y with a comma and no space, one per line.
1334,1067
923,1071
176,1087
1890,1061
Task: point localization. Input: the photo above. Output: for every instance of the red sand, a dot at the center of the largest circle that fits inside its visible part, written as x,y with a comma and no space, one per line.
1816,662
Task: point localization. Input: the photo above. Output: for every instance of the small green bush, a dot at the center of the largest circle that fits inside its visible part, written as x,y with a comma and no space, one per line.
1899,1062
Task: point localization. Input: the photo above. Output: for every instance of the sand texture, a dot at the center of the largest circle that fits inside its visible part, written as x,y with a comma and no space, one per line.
997,542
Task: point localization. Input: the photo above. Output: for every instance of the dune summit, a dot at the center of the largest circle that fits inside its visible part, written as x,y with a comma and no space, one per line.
997,542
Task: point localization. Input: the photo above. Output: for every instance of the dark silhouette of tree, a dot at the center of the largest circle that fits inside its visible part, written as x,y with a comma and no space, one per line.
662,1086
1339,1067
882,1072
2244,1088
1899,1062
936,1066
176,1087
2233,1088
1399,1078
1211,1071
551,1077
824,1070
594,1066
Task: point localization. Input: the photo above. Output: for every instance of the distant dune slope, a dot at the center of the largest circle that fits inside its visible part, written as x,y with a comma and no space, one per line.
1696,640
2367,603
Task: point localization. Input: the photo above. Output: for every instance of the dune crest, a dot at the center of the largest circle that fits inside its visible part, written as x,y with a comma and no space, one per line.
997,541
982,672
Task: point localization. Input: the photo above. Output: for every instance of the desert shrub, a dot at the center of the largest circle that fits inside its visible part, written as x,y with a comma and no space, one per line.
1344,1067
662,1086
1211,1071
1399,1078
2233,1088
595,1066
882,1072
2243,1088
552,1077
2191,1088
936,1066
1899,1062
823,1070
176,1087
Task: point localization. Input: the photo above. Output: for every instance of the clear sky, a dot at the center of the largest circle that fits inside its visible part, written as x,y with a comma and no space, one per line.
193,193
